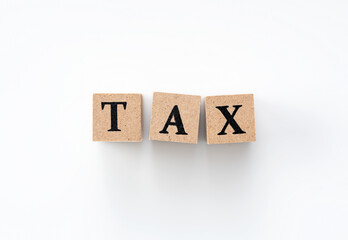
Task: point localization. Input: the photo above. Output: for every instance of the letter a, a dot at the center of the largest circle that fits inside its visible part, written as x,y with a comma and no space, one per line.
178,122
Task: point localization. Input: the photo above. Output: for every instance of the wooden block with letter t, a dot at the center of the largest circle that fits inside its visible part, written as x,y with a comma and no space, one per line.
117,117
230,118
175,117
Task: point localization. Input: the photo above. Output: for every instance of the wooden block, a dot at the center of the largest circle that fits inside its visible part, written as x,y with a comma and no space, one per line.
117,117
175,117
230,118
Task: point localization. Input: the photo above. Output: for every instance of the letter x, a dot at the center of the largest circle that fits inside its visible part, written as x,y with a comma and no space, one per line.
230,120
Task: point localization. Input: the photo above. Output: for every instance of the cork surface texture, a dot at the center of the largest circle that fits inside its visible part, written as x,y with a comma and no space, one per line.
175,117
230,118
117,117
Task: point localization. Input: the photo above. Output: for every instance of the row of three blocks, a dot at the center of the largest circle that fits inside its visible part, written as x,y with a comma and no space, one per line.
174,117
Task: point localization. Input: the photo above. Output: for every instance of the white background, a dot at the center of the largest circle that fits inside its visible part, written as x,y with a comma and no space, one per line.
55,183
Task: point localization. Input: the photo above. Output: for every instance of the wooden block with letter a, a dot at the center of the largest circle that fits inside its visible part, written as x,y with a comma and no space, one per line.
117,117
230,118
175,117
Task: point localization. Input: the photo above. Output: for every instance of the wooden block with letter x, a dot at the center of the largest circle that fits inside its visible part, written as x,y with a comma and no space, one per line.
230,118
175,117
117,117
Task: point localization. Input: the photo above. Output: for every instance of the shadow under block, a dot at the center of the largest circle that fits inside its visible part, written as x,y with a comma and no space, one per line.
175,117
117,117
230,118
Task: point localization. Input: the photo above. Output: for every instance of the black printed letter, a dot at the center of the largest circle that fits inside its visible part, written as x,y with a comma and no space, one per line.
177,123
230,120
113,109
